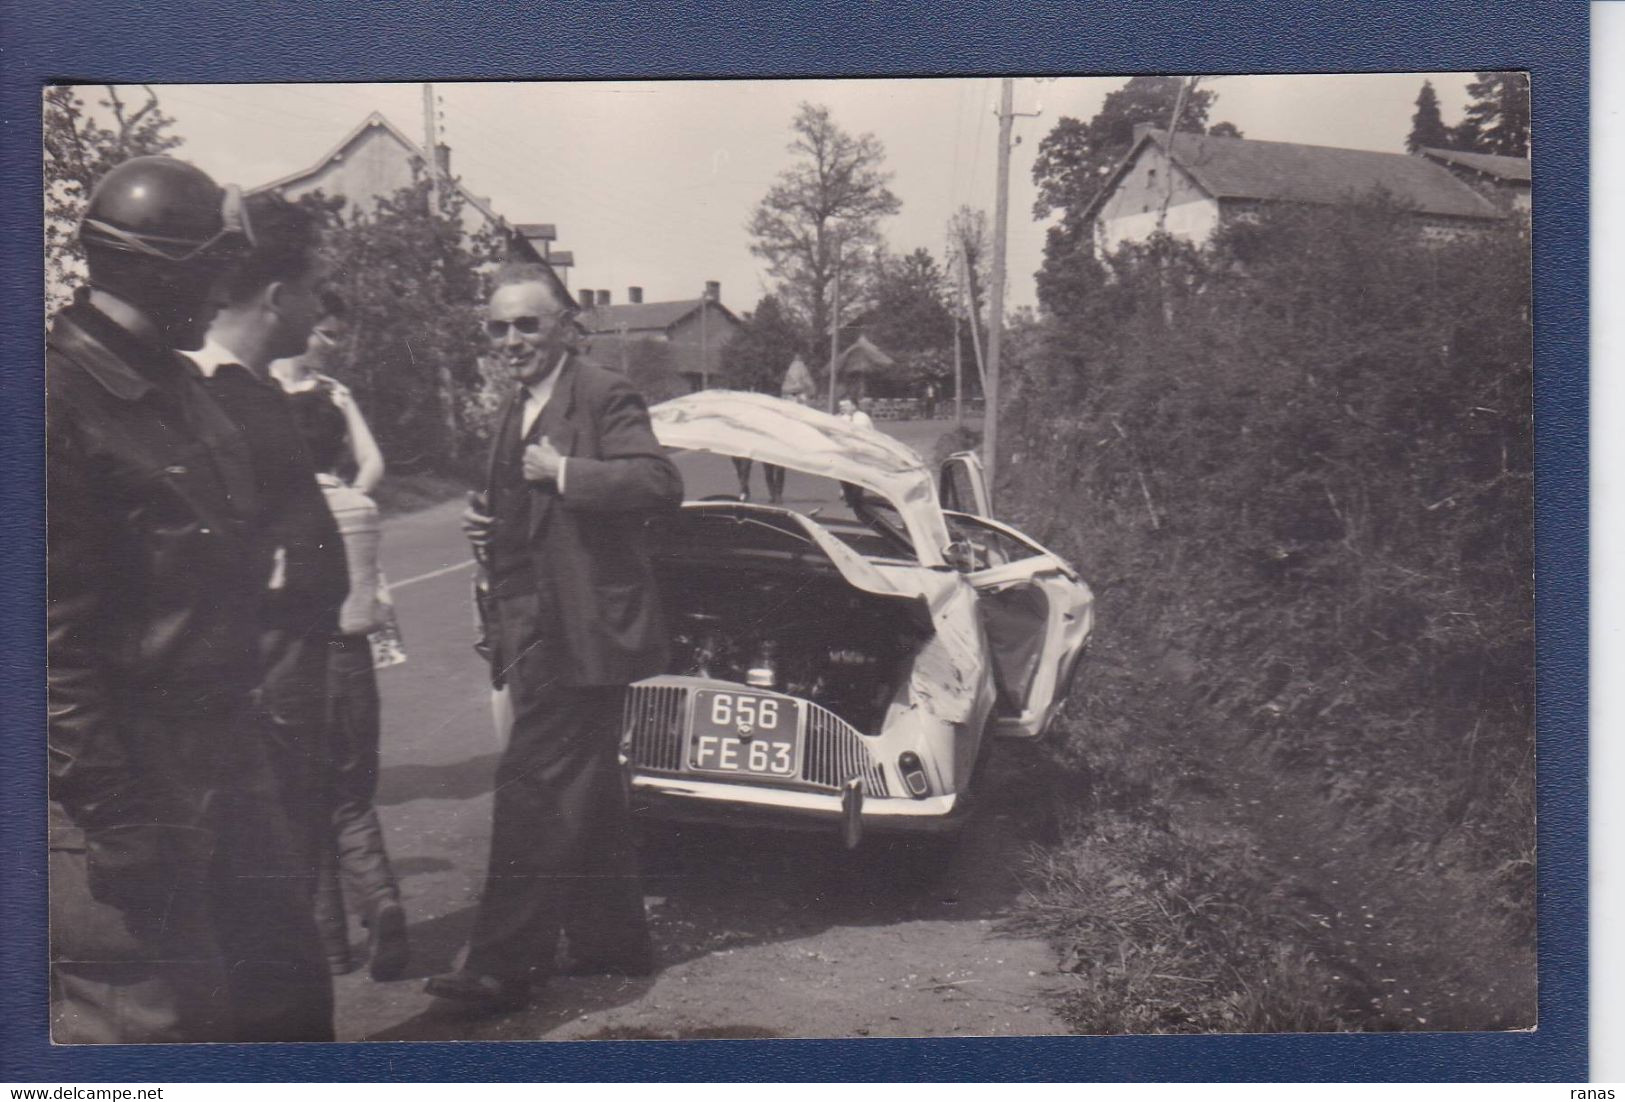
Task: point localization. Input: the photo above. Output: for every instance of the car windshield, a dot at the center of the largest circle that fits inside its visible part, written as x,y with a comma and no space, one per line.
863,521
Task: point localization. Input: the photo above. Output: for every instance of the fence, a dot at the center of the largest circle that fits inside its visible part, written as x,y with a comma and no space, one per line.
918,409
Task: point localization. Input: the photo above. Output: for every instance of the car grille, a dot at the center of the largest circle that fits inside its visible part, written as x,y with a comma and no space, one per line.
655,715
832,753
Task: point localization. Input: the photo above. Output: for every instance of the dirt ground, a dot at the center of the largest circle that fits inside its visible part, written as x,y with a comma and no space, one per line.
769,934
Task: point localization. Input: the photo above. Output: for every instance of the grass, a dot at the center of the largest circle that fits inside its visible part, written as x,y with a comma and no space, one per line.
1167,908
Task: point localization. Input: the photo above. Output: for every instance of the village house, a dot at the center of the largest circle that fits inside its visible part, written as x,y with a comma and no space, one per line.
1203,182
377,159
688,335
1503,180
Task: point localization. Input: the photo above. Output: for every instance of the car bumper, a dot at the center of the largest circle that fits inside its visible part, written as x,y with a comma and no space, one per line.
721,802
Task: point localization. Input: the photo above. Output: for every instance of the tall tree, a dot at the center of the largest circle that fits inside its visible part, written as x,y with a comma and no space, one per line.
79,149
413,281
823,211
911,322
760,354
1497,115
910,311
1428,130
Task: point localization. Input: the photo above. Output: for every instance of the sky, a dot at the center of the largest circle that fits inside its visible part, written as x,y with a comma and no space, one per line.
651,183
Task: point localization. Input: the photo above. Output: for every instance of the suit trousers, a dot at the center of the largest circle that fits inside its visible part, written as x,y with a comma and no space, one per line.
232,955
562,854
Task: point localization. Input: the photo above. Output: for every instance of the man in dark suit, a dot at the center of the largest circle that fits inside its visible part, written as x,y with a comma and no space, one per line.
574,470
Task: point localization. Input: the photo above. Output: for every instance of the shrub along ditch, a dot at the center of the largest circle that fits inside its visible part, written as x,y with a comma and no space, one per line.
1299,473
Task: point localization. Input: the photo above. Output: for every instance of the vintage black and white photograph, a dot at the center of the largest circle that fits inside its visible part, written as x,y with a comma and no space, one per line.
839,558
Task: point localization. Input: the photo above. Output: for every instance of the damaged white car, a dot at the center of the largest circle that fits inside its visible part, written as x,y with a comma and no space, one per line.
841,665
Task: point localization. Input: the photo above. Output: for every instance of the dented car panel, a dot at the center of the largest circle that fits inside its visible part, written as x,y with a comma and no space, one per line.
821,678
771,430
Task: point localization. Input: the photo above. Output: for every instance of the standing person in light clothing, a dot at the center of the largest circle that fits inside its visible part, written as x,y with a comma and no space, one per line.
849,410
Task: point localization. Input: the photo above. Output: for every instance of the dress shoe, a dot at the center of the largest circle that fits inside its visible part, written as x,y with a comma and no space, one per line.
488,994
387,947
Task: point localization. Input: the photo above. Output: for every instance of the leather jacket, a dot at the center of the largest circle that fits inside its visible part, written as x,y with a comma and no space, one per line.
154,576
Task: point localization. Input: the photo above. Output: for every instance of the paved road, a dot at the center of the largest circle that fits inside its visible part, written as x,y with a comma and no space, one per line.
770,935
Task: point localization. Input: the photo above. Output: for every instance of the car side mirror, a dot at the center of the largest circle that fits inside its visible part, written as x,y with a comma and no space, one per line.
960,555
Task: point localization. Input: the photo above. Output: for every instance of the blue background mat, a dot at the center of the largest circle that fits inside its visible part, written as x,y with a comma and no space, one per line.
298,40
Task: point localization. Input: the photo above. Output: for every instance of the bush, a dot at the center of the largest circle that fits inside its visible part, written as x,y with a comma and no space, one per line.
413,281
1301,468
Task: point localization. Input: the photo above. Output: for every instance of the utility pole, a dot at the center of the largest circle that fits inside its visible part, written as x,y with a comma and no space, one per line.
995,321
975,332
959,370
995,326
431,144
1185,91
705,362
834,322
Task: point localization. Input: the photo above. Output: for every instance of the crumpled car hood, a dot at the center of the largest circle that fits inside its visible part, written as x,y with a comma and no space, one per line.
772,430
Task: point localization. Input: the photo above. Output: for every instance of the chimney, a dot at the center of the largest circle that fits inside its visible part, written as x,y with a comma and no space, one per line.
585,295
442,159
713,291
603,298
634,294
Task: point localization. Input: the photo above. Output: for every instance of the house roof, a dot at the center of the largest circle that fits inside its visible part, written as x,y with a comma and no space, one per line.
544,231
867,354
1511,169
1242,168
537,231
375,119
644,316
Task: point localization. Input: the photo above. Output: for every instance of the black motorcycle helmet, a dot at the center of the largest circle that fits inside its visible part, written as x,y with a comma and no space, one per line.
157,233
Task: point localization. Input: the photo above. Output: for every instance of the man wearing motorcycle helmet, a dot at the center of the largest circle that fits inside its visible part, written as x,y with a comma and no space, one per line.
164,925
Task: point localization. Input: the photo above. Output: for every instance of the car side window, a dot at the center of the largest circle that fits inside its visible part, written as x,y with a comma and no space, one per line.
956,492
989,547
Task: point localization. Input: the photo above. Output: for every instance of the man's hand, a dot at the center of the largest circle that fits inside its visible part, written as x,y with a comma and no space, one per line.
543,462
477,522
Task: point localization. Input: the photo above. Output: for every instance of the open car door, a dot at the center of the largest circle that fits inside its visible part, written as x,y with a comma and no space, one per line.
963,485
1035,609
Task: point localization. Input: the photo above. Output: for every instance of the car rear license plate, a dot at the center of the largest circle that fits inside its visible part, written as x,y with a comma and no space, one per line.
744,733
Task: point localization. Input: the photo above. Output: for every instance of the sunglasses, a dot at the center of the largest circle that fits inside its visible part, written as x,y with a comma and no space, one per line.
530,325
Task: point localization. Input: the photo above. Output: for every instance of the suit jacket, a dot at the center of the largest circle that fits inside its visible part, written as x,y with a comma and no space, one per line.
588,547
